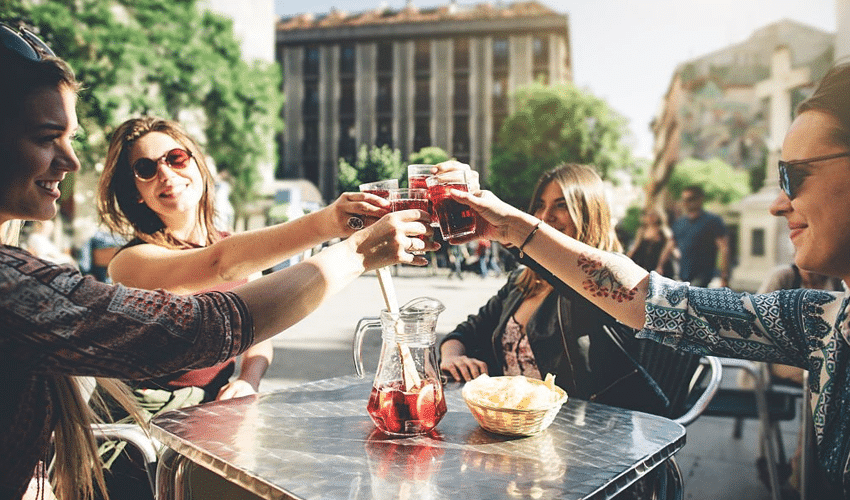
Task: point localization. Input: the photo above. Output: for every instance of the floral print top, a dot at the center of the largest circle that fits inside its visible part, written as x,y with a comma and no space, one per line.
804,328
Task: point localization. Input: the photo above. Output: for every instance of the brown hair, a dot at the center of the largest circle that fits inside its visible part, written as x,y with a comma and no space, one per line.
76,463
584,193
118,197
830,96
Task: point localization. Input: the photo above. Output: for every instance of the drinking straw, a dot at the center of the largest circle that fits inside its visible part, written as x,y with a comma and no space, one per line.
410,376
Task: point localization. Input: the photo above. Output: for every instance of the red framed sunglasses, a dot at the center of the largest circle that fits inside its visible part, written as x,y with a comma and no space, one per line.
146,169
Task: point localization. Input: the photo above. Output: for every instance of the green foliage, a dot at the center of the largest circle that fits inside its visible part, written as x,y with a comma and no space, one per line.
758,174
164,58
630,222
722,182
430,155
372,164
553,125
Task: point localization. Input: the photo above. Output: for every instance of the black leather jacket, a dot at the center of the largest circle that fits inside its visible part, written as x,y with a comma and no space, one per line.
590,367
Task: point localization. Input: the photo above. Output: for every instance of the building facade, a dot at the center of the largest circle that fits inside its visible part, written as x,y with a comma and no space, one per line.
409,79
736,104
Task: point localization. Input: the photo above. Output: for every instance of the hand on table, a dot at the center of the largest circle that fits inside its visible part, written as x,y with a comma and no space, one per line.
235,389
461,367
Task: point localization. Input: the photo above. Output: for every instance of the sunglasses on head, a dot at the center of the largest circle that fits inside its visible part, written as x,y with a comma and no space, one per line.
793,173
146,169
24,43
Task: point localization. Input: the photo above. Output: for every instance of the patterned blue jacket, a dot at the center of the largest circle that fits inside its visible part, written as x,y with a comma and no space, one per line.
804,328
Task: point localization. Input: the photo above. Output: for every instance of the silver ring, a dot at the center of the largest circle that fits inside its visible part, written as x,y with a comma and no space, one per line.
355,222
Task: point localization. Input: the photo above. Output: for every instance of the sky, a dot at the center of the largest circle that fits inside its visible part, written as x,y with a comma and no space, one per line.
625,51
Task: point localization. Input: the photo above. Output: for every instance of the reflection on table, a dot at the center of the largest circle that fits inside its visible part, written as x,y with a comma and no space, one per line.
316,441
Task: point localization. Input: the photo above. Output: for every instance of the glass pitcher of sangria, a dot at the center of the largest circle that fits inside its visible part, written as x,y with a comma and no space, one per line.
407,394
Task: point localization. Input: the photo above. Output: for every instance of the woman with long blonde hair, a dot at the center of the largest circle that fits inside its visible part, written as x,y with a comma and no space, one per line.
529,328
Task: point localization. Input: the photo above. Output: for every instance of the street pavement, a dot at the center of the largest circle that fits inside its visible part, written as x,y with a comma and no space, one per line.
714,464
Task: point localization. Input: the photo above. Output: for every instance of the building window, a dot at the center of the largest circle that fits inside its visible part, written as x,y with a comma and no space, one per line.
460,139
311,98
500,93
347,55
311,60
385,131
422,99
384,100
385,57
347,143
422,56
757,247
540,51
421,132
461,94
500,53
346,96
461,54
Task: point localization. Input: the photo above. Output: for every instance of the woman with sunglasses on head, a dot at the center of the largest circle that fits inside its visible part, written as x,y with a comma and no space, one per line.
806,328
57,324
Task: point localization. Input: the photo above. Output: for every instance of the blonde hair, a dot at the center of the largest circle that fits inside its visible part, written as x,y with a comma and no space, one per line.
584,193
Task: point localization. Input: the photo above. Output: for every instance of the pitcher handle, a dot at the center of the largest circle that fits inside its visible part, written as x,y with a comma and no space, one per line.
357,347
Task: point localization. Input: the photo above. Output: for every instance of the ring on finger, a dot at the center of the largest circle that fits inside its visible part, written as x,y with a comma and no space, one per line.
355,222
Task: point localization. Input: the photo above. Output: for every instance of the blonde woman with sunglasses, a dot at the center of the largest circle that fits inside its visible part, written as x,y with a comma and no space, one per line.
56,324
809,329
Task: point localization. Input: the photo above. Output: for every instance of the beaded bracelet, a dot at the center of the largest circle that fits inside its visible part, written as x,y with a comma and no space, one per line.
527,239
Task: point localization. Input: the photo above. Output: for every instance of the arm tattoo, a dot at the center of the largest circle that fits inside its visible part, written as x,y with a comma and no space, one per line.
602,281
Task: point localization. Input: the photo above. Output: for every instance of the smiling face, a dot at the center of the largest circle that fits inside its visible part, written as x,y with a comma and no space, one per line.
818,217
36,154
553,210
173,194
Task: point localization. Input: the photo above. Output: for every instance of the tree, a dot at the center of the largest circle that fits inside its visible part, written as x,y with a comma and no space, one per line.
372,164
165,58
553,125
721,182
430,155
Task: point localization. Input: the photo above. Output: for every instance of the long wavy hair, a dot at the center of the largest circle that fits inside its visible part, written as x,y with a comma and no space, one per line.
584,193
118,197
76,465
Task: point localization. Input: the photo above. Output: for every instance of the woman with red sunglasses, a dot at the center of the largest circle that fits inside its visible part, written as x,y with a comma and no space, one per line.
56,324
157,191
805,328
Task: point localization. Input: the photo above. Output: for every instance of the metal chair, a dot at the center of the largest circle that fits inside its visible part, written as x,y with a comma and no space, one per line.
770,404
686,381
134,436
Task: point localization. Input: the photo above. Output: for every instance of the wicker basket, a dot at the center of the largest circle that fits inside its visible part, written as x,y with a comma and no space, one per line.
515,422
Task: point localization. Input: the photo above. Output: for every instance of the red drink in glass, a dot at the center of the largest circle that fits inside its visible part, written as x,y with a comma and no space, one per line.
383,193
417,181
456,219
405,199
395,411
380,188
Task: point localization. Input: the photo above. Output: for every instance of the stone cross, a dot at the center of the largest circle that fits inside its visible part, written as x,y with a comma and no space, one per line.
778,88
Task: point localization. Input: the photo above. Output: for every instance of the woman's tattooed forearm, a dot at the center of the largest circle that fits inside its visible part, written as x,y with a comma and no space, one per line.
602,280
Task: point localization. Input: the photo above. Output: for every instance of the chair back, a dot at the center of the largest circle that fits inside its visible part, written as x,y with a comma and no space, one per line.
673,374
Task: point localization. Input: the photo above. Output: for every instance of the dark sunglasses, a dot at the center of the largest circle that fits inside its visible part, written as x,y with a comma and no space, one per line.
793,173
146,169
24,43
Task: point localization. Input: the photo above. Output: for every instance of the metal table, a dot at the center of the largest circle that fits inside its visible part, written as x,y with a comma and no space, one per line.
316,441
